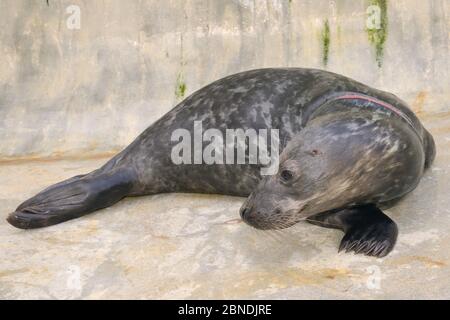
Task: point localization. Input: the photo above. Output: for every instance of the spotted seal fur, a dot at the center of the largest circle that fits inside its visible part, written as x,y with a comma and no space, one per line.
347,151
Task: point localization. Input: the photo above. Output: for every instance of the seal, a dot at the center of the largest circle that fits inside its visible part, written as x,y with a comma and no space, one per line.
347,152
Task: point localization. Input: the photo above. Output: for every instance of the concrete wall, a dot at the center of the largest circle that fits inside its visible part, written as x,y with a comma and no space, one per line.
88,91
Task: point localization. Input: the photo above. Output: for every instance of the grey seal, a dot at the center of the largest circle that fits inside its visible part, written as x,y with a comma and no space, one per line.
347,151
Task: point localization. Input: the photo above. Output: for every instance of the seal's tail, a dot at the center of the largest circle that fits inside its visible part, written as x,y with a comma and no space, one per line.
73,198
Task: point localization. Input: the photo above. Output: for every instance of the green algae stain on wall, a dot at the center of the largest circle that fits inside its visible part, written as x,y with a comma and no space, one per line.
180,89
377,29
325,39
180,85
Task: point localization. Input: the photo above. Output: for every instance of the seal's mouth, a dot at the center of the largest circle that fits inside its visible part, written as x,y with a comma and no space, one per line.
271,221
269,225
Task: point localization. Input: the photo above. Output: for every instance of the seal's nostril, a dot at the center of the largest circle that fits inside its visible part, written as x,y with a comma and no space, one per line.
244,212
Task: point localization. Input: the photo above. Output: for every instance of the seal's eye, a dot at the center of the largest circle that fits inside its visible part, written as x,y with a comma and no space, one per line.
286,175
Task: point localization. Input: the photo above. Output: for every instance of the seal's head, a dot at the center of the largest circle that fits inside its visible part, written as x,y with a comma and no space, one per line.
333,163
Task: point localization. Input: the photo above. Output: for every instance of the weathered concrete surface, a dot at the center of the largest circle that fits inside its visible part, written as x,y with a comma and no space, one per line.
66,92
91,91
194,246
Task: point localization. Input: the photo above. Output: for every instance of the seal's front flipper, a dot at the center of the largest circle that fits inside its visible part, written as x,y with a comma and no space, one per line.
367,229
73,198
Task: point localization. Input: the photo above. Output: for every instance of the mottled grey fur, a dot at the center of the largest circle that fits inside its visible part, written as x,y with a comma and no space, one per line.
343,153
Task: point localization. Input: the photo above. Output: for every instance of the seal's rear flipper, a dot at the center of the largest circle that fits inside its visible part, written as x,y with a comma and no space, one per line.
367,229
73,198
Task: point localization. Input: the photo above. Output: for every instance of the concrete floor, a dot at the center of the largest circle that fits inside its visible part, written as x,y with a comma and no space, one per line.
194,246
